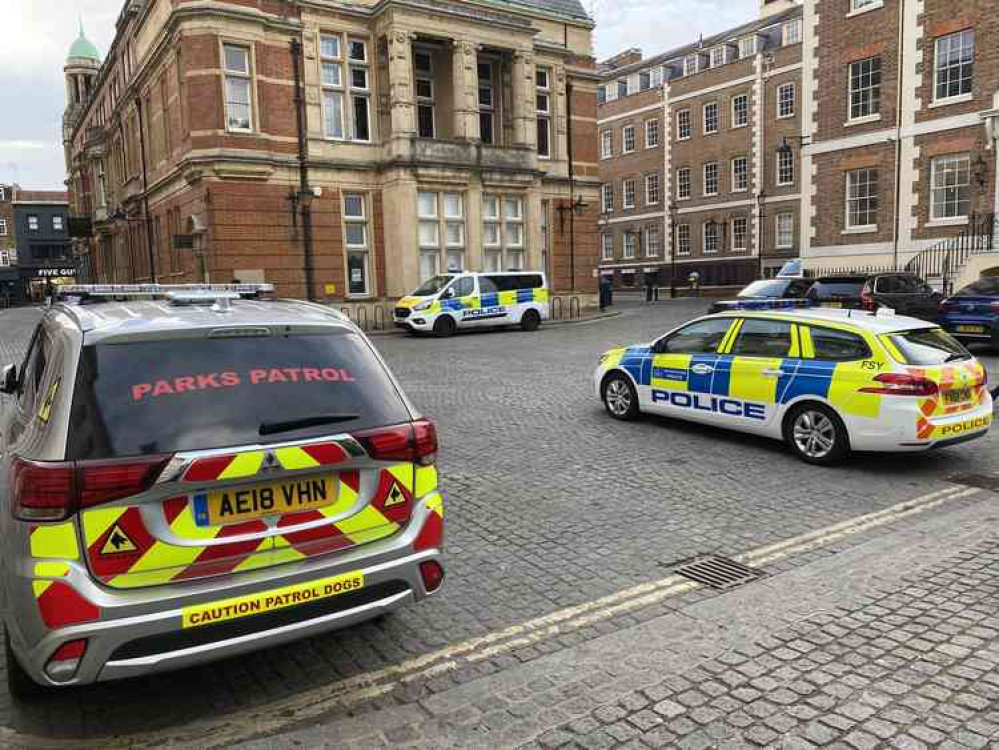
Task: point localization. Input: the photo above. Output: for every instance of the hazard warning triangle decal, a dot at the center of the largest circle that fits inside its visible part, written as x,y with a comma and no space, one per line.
395,496
118,543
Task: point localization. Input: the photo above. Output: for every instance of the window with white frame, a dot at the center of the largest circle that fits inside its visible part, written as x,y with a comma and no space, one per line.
238,88
630,245
441,220
607,246
652,133
33,225
740,111
683,239
785,167
606,144
683,187
683,128
951,187
792,32
628,139
653,242
784,230
629,194
3,226
657,77
740,234
711,118
543,83
3,194
426,93
57,224
346,88
711,236
856,6
645,80
652,189
503,232
622,88
785,100
690,65
601,95
955,64
357,238
740,174
862,199
747,46
711,178
487,103
607,197
865,88
717,57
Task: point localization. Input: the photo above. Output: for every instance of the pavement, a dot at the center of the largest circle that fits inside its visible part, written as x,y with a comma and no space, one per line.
564,621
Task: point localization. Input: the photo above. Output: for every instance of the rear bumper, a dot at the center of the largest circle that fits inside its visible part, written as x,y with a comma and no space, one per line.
140,632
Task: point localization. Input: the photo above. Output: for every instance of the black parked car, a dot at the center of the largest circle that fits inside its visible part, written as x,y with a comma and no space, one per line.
905,293
766,294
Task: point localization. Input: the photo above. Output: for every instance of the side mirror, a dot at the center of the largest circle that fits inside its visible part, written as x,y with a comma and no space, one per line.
8,379
448,294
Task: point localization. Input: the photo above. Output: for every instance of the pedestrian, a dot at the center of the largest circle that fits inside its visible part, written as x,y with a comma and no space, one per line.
695,283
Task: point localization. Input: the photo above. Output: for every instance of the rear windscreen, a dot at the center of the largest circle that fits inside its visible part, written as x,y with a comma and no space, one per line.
846,288
196,394
987,287
928,347
769,288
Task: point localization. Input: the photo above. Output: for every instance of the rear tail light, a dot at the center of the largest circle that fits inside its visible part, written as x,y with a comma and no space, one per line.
867,301
432,574
66,660
945,307
51,491
410,443
894,384
994,307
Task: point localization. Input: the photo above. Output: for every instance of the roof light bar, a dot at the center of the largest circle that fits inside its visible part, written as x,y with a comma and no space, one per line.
167,291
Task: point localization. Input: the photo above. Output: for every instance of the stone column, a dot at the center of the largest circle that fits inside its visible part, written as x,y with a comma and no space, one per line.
465,74
525,133
401,98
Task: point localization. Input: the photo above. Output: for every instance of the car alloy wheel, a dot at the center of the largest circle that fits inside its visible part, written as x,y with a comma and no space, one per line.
814,434
620,398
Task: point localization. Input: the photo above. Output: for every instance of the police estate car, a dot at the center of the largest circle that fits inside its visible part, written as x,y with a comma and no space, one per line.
825,381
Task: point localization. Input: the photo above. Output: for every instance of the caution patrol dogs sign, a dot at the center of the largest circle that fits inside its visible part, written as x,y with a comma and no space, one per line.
269,601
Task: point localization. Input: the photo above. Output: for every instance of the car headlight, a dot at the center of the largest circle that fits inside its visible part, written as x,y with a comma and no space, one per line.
423,306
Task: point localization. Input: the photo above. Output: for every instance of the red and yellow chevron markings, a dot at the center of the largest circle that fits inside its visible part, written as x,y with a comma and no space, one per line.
248,463
58,602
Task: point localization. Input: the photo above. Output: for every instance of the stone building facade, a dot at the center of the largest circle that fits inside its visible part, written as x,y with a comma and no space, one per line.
700,156
341,151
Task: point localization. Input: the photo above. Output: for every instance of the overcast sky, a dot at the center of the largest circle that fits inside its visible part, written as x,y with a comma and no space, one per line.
38,34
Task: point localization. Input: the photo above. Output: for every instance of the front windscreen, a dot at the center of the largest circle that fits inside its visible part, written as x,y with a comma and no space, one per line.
432,286
196,394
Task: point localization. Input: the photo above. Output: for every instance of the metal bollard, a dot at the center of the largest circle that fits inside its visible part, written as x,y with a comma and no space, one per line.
574,306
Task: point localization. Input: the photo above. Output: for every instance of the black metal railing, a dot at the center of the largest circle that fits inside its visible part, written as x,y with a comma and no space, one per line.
946,260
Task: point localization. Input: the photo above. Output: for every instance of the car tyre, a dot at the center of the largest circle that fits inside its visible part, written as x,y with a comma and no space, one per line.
19,683
620,397
444,327
530,321
816,434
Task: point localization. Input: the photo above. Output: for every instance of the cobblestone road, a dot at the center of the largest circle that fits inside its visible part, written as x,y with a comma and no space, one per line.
552,505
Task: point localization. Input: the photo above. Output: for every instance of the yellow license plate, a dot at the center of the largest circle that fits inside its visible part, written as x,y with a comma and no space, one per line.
833,304
957,396
971,329
269,601
238,504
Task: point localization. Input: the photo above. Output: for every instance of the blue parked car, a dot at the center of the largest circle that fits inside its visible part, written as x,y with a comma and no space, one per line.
972,315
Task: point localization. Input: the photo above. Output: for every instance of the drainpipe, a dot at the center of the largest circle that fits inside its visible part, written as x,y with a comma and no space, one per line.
304,190
897,228
145,194
572,190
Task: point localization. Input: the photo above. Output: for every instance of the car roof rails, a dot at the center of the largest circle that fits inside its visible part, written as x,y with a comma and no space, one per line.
178,294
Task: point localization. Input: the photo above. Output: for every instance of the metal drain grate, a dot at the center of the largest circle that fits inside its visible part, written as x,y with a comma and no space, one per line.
718,572
988,482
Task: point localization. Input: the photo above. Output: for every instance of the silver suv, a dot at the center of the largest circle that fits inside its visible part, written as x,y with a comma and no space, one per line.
192,473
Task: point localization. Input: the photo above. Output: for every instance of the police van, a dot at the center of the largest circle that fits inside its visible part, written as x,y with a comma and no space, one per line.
824,381
460,300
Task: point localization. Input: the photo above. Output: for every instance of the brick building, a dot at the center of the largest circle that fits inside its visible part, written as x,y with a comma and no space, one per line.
902,103
8,247
430,135
699,152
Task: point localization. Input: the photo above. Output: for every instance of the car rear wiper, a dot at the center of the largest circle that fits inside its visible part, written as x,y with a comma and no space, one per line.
275,428
955,358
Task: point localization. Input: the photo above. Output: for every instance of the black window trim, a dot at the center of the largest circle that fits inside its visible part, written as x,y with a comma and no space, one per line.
814,358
